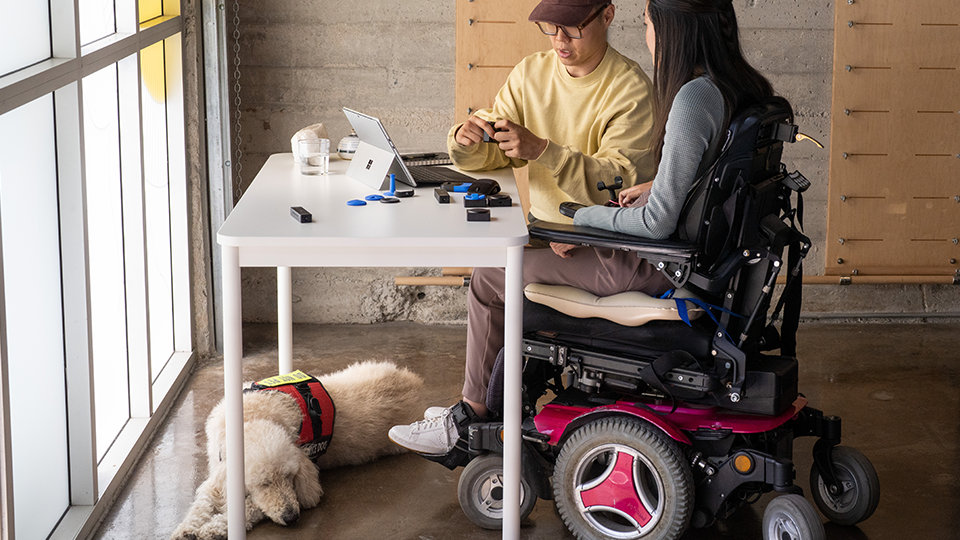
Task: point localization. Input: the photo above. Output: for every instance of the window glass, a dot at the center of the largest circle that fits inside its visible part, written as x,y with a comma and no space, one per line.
24,38
98,20
33,302
157,205
101,132
124,124
150,9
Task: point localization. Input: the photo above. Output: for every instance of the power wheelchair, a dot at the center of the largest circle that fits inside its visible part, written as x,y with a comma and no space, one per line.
674,413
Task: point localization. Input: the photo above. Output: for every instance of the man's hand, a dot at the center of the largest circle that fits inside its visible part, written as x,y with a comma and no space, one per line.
518,142
633,193
562,250
471,132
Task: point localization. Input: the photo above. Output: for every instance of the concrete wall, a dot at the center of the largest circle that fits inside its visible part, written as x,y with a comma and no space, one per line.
301,61
199,232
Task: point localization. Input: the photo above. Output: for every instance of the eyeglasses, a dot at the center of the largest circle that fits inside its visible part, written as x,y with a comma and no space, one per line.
572,32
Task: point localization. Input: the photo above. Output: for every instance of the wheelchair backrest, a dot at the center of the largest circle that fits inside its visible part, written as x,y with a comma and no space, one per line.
730,211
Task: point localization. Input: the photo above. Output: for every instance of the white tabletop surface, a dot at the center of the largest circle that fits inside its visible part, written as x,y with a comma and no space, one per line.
262,219
417,231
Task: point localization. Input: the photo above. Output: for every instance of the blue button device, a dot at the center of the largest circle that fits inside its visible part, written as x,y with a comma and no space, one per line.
393,186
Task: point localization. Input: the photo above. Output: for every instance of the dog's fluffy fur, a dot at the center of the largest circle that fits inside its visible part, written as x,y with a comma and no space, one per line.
280,480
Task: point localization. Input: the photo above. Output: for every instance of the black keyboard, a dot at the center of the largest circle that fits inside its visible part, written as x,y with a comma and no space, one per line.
426,158
426,175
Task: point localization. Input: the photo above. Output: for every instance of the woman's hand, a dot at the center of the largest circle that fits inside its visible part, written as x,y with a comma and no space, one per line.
632,193
562,250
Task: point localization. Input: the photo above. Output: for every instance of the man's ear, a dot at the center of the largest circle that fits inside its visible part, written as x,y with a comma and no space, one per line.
608,14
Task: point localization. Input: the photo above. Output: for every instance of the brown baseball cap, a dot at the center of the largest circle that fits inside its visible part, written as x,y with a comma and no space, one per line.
565,12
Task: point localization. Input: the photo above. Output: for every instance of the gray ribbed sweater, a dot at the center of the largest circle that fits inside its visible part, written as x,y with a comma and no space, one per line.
693,130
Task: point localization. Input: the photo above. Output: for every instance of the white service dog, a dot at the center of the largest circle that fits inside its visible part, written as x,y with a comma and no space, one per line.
280,479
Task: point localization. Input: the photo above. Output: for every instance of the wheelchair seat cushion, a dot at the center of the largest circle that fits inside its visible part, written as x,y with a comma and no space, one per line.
632,308
648,341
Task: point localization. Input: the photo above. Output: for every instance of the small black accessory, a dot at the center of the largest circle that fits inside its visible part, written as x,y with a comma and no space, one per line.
499,199
403,193
478,214
487,137
301,215
612,188
389,200
442,196
474,200
484,186
569,208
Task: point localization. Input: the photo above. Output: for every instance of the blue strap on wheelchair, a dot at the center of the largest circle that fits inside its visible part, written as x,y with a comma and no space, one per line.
705,306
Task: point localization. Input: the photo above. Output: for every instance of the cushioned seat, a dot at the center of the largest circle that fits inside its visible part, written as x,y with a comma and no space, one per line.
631,308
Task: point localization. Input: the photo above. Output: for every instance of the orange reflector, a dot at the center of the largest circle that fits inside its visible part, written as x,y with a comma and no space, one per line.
743,463
501,435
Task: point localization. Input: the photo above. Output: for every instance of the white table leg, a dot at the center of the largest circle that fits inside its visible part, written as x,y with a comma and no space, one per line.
232,392
512,336
285,319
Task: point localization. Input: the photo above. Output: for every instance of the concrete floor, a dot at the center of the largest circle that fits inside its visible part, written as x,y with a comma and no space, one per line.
895,386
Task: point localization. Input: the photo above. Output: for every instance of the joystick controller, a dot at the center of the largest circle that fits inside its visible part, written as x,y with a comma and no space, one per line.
617,184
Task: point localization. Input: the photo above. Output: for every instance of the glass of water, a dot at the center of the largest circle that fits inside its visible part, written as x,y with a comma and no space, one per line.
314,156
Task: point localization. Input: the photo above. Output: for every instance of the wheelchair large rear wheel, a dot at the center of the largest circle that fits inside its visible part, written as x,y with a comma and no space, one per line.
622,478
480,492
861,487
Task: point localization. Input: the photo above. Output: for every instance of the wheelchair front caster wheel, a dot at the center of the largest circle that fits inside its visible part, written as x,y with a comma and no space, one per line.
791,517
480,491
861,487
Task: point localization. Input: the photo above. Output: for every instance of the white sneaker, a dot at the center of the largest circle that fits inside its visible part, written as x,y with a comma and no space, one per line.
434,412
435,436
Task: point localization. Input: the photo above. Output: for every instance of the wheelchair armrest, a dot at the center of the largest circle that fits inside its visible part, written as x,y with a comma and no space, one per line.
653,250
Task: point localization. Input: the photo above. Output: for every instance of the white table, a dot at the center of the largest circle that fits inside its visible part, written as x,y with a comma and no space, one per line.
418,231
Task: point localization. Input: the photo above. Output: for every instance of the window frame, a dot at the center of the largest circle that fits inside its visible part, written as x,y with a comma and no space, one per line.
60,76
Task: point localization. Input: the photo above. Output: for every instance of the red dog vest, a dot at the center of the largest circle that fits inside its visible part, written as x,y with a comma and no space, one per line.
316,407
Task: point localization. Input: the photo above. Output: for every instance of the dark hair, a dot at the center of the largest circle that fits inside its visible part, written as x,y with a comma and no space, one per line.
697,37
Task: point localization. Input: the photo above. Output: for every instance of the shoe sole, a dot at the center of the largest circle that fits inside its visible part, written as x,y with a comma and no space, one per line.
415,451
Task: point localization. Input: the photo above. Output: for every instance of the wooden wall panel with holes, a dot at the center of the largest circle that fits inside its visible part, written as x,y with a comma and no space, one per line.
894,194
492,37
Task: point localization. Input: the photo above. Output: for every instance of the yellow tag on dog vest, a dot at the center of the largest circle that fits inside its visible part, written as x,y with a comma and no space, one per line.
289,378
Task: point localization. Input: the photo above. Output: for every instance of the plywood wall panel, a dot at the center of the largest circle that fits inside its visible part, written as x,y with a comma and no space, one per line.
492,36
897,44
498,10
888,11
894,193
909,132
887,176
907,88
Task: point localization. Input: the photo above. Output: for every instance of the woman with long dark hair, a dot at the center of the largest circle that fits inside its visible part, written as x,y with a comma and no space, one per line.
701,79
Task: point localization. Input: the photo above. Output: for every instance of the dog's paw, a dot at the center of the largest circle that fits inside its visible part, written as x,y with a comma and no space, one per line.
184,534
214,529
203,533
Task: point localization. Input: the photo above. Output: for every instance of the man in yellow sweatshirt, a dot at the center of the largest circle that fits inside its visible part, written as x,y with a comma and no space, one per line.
578,113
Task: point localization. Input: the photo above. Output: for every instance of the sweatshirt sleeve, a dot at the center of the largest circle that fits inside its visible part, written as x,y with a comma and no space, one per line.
485,156
623,150
695,119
